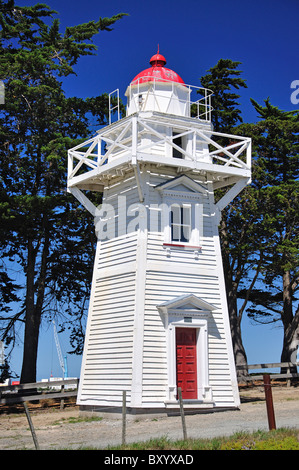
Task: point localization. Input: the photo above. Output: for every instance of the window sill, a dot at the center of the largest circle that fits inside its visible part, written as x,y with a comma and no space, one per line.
182,245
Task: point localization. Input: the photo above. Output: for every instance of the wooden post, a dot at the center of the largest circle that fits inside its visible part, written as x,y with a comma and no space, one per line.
31,426
123,440
269,401
288,379
182,413
62,399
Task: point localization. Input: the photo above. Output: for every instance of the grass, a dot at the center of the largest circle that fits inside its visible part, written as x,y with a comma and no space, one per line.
279,439
73,419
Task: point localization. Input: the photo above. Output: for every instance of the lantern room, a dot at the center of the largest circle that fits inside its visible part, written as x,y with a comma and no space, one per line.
160,89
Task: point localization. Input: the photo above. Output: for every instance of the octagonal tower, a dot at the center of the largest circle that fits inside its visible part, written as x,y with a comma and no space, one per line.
158,316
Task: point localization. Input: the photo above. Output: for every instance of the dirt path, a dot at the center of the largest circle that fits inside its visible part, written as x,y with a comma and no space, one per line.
57,429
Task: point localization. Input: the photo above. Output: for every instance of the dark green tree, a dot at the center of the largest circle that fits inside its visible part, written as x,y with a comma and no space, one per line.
276,141
237,226
48,236
243,241
223,79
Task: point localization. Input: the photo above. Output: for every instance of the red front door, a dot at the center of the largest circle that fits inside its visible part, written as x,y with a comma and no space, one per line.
186,368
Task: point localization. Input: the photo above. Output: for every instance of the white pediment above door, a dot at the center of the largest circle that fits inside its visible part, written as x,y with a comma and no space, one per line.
187,304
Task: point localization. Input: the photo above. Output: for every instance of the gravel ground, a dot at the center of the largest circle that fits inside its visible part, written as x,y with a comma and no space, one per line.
55,430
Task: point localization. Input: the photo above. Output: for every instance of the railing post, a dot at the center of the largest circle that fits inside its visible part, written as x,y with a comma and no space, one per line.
134,139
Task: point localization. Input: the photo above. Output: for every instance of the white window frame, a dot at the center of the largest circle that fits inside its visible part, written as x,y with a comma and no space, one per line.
183,190
183,199
181,222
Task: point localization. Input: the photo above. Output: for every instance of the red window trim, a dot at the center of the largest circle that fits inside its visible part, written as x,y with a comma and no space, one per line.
182,246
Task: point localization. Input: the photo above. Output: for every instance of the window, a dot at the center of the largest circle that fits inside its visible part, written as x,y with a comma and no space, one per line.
140,101
179,142
182,212
180,223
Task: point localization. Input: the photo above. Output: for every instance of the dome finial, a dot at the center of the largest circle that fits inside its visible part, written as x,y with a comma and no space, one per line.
158,60
157,71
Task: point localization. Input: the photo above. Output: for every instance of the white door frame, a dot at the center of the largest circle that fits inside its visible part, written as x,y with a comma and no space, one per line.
187,312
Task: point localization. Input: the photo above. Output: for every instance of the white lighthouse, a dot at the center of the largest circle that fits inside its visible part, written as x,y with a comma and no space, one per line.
158,316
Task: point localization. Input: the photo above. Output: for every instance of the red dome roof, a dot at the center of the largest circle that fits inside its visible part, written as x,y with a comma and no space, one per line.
157,71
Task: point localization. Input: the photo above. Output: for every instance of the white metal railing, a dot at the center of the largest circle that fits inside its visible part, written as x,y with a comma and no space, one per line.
115,107
203,105
125,139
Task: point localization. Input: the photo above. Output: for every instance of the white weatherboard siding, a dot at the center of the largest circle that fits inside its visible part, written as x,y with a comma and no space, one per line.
108,350
108,357
126,344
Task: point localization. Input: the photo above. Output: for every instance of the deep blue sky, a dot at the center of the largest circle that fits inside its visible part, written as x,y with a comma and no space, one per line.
193,35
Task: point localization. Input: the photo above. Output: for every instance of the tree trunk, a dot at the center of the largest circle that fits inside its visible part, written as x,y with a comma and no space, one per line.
235,320
238,347
34,308
32,322
290,343
290,326
31,335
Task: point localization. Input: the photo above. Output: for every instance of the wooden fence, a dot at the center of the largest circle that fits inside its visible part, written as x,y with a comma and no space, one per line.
274,375
10,394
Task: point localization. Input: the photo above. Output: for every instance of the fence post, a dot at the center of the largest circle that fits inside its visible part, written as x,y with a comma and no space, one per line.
288,380
182,413
123,437
269,401
31,426
62,399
